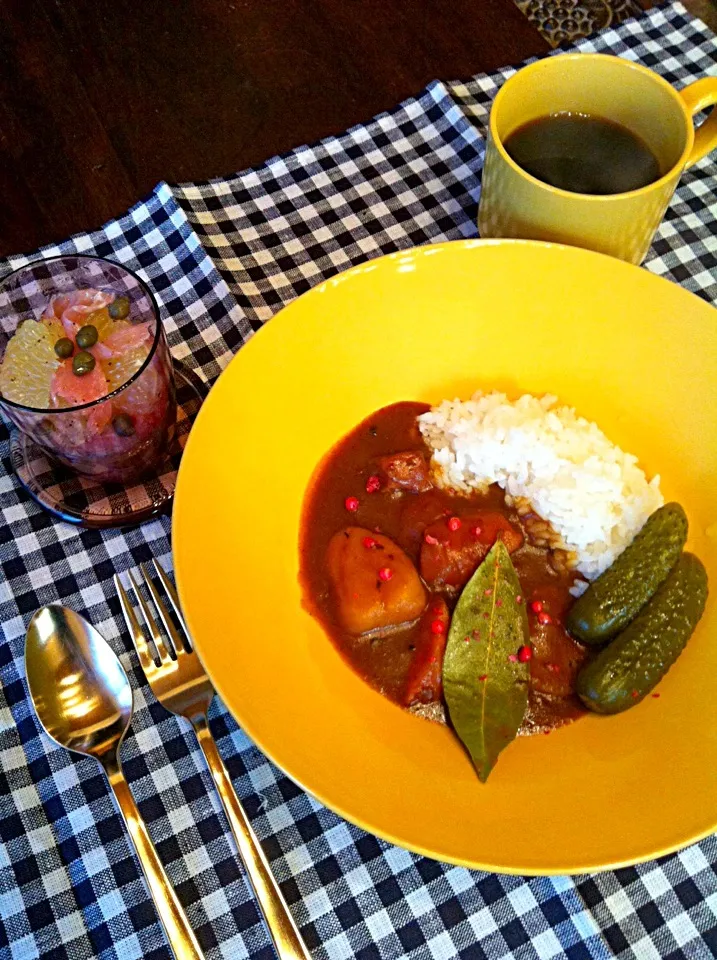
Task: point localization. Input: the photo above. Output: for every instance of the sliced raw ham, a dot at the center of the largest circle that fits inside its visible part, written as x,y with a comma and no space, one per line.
73,389
99,417
70,328
100,351
57,305
119,341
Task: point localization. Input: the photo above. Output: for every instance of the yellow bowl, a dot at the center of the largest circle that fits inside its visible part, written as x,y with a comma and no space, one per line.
631,351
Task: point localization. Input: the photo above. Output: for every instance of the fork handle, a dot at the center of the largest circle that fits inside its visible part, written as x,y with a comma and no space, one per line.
171,913
283,930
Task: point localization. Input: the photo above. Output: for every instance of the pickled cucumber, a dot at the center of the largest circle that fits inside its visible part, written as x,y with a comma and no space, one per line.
617,596
627,670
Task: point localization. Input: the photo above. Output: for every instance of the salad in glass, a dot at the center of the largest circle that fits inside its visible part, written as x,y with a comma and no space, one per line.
85,368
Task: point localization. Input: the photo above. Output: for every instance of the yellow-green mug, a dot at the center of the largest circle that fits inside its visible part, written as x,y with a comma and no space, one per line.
515,204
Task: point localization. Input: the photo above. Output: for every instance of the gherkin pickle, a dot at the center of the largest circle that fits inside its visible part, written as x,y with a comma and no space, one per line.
613,600
627,670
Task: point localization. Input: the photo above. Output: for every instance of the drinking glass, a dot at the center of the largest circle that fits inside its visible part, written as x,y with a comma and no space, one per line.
117,438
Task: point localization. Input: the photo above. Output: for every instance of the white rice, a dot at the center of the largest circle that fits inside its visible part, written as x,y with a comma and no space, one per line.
592,493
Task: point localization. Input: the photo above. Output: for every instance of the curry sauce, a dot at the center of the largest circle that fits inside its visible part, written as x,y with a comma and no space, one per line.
377,480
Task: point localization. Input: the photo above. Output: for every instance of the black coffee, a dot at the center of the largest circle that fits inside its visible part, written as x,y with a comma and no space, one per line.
583,154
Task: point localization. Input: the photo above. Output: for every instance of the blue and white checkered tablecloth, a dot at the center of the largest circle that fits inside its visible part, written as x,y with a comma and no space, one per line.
222,258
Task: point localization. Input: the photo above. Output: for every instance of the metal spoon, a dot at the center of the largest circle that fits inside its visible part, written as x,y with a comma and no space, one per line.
83,699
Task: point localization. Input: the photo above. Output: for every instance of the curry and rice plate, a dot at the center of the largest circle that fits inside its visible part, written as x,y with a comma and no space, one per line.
497,565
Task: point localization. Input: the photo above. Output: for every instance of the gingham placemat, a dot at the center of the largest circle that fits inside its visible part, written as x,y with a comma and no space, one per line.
223,257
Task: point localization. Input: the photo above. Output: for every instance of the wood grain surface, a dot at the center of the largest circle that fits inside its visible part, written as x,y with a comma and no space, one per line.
99,100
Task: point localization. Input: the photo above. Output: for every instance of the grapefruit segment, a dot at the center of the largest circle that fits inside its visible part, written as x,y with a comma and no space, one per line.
29,364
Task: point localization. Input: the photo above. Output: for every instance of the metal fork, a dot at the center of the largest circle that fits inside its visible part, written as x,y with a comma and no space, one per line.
181,684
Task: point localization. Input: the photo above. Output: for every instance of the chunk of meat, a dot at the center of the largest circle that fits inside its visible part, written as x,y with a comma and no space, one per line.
424,683
494,525
407,471
420,511
557,657
452,551
375,583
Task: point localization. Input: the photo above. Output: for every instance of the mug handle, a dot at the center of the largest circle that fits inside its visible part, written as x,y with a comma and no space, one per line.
698,96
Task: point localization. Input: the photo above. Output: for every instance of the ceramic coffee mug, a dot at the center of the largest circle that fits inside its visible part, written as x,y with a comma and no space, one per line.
515,204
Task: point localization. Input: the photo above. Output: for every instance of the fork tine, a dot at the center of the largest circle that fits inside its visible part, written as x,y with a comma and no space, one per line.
173,599
164,654
163,612
135,631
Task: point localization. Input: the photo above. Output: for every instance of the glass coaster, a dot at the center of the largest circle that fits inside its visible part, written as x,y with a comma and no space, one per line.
87,503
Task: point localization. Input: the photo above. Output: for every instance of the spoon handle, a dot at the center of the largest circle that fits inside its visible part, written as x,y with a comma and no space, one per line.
283,930
171,913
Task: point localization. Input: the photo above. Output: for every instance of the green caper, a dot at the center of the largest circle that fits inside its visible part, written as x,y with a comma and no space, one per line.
83,363
119,308
86,337
123,425
64,348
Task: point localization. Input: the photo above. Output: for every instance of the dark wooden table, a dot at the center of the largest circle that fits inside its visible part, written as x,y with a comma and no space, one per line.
100,99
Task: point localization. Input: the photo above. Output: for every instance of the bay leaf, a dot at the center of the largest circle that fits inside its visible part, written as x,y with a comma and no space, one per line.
484,684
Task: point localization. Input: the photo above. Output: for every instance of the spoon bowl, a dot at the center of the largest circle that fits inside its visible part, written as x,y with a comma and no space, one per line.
83,699
80,690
